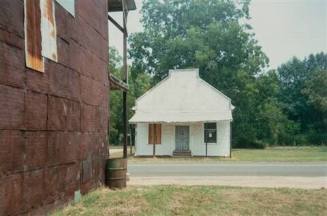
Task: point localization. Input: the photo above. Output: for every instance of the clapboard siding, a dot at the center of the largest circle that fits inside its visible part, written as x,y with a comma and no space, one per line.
197,144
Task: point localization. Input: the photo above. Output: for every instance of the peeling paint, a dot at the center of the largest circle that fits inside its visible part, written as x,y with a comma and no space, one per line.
32,25
48,30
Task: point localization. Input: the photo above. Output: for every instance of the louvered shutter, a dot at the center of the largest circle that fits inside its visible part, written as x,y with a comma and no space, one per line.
158,134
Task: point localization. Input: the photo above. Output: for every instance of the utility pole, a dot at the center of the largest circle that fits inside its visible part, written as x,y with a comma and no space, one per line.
125,78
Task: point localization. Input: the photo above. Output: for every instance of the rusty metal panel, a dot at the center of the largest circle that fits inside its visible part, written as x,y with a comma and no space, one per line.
48,30
28,99
32,27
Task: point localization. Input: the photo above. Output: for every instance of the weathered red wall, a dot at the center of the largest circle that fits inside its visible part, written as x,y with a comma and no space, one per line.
53,126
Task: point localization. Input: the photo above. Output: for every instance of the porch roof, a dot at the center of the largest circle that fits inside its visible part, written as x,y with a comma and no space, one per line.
182,97
117,84
179,117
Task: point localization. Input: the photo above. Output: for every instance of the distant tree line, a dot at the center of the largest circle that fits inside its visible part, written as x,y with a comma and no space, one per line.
287,106
303,99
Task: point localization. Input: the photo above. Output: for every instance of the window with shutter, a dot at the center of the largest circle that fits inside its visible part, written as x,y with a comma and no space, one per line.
154,134
158,134
210,132
151,134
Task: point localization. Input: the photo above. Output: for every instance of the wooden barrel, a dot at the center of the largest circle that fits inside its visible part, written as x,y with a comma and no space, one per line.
116,169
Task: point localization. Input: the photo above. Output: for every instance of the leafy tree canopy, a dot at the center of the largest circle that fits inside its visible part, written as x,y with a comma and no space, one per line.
211,35
206,34
276,107
303,95
137,86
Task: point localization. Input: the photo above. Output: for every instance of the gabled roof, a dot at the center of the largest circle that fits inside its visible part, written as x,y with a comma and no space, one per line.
182,97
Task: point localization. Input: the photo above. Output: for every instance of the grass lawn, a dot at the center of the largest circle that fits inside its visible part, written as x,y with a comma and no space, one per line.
272,154
282,154
200,200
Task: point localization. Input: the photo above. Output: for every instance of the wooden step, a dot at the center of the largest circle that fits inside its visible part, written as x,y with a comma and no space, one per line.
182,153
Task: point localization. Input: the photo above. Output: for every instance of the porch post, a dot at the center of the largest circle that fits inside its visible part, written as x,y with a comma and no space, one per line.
206,137
154,150
230,139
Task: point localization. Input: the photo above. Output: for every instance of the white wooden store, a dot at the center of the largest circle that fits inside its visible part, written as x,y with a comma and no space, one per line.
183,115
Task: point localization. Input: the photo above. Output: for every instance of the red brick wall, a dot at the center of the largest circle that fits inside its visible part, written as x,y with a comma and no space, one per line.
53,125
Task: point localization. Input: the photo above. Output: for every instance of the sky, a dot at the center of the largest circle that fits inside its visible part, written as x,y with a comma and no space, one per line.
283,28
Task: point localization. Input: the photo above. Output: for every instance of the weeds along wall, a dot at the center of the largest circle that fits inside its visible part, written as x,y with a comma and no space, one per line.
53,124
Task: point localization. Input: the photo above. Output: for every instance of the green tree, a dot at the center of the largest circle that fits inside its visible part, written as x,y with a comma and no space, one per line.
137,86
303,96
211,35
315,88
273,126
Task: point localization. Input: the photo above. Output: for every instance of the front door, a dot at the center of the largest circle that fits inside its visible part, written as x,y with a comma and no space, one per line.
182,137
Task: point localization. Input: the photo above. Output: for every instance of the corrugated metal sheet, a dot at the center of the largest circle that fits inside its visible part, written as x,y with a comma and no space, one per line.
182,97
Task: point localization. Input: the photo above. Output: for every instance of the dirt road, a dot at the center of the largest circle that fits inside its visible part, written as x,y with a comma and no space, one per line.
294,175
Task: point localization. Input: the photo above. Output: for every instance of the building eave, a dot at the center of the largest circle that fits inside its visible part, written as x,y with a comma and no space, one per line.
117,6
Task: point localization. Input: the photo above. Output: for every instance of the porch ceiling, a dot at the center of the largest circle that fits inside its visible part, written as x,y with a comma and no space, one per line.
116,5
